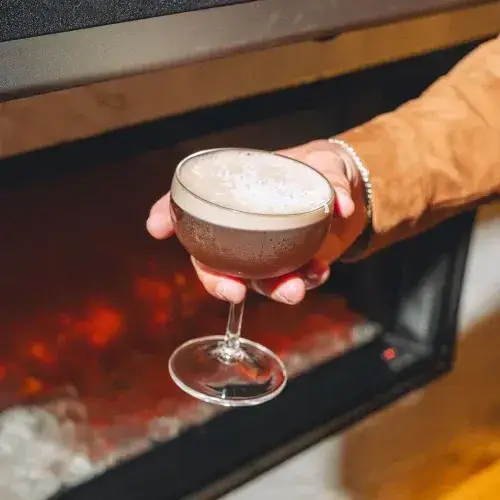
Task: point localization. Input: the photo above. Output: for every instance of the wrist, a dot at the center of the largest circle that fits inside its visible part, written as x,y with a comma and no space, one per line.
359,219
362,196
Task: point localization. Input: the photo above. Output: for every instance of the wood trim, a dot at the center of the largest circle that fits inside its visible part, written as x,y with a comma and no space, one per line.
49,119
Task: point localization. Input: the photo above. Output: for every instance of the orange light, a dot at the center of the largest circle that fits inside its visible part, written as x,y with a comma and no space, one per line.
39,351
161,318
155,290
104,326
180,280
31,386
389,354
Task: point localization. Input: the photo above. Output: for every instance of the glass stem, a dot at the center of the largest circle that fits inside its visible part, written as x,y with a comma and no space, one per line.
233,328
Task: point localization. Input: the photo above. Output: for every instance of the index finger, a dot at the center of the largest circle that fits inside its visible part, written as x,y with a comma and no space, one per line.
160,224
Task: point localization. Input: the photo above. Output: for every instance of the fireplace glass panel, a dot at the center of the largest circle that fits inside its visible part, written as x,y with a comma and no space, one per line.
92,307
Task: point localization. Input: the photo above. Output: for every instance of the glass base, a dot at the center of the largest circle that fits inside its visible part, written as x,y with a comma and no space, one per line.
209,370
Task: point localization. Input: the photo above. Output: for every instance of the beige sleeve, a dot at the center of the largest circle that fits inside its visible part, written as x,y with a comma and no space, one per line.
435,155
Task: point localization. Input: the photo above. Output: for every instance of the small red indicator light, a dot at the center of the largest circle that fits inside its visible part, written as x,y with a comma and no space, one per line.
389,354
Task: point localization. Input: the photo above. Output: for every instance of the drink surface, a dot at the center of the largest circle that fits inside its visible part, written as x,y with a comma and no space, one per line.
234,187
255,182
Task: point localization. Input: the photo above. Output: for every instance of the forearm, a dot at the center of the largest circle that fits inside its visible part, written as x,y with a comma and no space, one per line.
436,155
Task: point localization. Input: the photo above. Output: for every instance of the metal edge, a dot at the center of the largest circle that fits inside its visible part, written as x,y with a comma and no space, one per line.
62,60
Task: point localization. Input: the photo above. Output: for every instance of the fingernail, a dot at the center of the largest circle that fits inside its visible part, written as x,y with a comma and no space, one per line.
221,291
314,279
155,222
313,275
285,298
344,203
153,217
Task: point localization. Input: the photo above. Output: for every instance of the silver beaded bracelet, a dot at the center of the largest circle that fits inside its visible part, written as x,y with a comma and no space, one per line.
363,172
363,240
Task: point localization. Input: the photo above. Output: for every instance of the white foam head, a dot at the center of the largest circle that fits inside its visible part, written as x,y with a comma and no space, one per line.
251,189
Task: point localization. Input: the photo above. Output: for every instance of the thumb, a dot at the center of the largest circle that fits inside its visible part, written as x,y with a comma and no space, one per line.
321,156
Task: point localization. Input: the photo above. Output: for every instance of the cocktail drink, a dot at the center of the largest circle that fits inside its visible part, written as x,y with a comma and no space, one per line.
252,215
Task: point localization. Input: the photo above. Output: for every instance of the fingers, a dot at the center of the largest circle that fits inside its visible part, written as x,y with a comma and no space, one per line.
344,205
160,226
321,156
220,286
291,289
159,223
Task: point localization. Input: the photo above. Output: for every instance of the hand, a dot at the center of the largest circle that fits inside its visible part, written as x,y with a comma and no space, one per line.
348,222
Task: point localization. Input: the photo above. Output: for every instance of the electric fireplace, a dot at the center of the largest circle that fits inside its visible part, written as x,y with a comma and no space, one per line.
92,307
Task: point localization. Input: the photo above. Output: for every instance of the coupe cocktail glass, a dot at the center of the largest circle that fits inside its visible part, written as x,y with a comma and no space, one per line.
234,211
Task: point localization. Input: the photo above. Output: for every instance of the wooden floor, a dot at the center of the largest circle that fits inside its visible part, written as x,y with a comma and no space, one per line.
467,468
441,444
484,485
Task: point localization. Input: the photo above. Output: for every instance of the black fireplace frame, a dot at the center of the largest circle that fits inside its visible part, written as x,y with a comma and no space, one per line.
206,461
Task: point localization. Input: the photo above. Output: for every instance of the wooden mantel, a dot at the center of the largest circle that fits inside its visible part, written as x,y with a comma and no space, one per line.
49,119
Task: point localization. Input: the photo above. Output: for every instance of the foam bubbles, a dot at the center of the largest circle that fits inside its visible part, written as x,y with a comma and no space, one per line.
255,182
